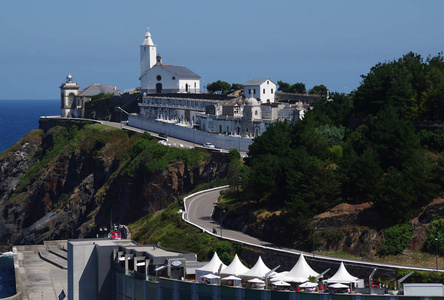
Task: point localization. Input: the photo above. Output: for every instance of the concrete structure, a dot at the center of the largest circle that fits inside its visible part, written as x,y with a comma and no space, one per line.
92,263
424,289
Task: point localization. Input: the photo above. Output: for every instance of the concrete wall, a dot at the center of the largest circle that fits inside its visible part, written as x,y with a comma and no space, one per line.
192,135
82,271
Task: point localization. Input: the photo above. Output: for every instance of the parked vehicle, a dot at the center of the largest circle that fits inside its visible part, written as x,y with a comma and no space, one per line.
208,145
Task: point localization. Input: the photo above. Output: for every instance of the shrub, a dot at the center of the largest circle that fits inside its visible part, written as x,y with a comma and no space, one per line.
435,231
396,239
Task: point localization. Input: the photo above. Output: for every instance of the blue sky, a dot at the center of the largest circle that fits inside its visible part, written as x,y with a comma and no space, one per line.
314,42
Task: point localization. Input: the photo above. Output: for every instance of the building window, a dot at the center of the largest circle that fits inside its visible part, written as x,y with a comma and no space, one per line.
254,91
255,113
174,78
272,91
264,91
159,78
268,82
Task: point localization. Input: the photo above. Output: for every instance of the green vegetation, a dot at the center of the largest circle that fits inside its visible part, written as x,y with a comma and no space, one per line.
102,96
396,239
435,236
356,148
421,276
147,156
285,87
223,87
168,229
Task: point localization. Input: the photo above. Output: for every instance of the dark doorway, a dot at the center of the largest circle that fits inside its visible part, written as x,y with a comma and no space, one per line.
158,88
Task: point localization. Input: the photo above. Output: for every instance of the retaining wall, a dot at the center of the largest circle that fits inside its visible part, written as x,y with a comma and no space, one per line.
191,135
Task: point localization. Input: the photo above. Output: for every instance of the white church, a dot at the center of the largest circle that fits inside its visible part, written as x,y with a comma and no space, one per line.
156,77
171,93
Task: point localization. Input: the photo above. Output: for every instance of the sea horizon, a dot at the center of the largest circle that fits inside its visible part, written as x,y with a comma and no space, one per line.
18,117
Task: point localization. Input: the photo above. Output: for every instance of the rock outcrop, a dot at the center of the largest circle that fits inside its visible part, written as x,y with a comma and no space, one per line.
52,188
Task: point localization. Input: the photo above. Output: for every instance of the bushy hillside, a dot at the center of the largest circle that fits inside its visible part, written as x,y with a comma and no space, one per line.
381,145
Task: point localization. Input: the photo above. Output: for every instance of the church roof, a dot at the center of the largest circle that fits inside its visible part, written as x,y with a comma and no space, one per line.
256,81
96,89
181,71
148,41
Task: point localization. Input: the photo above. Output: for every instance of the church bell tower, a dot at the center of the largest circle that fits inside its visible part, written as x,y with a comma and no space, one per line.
69,90
148,53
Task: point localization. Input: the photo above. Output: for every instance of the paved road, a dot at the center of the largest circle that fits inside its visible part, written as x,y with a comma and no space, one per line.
199,209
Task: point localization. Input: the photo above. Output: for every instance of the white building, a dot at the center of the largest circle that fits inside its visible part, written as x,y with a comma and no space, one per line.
69,91
262,89
73,99
156,77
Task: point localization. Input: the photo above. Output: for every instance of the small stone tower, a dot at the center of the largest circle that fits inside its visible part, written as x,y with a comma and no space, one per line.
69,91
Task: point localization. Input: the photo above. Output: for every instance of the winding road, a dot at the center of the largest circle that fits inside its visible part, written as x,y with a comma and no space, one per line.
199,208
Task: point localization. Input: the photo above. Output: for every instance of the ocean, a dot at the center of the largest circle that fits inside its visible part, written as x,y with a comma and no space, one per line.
17,117
7,276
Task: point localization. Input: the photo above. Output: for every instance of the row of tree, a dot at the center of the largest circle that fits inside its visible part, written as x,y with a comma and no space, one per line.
223,87
357,148
299,88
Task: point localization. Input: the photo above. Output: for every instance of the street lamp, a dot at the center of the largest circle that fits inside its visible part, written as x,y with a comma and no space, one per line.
436,244
222,211
314,240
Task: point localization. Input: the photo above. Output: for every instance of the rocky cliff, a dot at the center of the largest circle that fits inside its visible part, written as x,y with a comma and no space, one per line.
70,180
357,229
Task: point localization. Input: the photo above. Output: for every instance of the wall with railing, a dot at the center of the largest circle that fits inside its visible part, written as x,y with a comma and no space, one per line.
188,134
128,286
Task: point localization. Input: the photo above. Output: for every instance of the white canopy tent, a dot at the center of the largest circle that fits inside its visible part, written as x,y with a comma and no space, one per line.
212,267
236,268
338,286
342,276
233,280
258,270
302,269
281,283
308,285
288,279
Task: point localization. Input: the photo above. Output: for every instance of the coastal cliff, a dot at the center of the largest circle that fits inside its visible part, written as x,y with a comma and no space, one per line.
69,179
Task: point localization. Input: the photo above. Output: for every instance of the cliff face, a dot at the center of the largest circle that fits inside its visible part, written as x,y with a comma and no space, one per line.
68,182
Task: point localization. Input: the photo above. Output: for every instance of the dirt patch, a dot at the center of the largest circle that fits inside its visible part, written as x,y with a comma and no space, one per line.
344,209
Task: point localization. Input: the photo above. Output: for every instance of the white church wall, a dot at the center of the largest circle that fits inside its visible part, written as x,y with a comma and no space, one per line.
149,81
193,86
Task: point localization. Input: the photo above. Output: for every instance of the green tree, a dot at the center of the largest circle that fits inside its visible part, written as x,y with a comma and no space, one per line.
393,137
318,89
219,86
283,87
236,86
